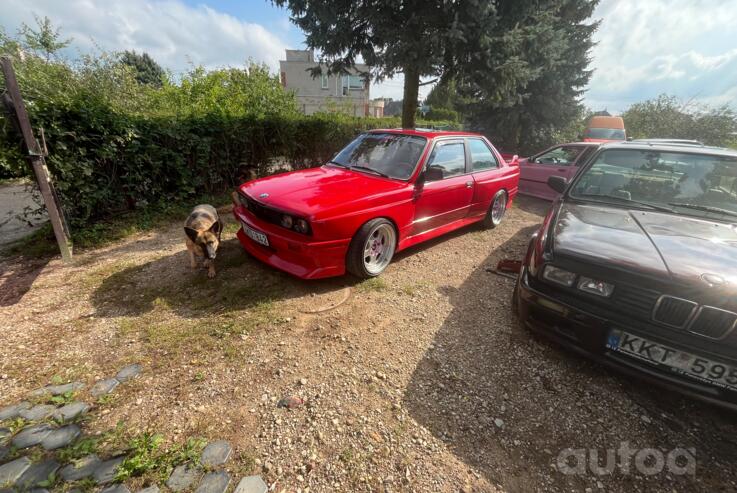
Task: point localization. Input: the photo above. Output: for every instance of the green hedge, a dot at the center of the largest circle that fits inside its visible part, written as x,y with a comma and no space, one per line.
105,162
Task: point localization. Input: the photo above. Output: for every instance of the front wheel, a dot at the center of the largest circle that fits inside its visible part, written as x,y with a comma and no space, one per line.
372,249
496,212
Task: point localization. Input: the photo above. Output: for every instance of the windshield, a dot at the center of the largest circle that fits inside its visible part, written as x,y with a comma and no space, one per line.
388,154
690,184
605,133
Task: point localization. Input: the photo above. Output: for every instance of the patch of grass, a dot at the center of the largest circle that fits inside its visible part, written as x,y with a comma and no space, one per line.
41,242
98,275
372,284
413,289
62,399
146,456
347,455
15,425
106,399
87,485
231,228
81,448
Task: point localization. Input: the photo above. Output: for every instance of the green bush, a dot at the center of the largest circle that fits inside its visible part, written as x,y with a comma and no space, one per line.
117,145
442,114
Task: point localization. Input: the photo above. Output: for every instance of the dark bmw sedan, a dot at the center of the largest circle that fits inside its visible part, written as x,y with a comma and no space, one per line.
636,265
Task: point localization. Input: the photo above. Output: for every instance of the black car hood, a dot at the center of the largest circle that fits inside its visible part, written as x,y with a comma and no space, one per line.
665,245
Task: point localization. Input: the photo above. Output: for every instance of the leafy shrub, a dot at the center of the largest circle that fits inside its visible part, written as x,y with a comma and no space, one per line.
442,114
117,145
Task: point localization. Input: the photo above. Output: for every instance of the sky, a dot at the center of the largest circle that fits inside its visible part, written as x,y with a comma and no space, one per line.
687,48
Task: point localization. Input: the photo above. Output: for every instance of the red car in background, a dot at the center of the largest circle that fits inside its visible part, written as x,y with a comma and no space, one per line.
386,191
560,160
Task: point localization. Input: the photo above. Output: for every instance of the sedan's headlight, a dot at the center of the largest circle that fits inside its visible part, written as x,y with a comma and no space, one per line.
559,276
287,221
301,226
594,286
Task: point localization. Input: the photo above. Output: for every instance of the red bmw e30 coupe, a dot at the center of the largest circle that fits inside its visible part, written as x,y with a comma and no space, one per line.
385,191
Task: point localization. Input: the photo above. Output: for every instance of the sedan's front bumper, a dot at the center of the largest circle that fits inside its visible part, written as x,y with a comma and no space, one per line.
303,257
586,333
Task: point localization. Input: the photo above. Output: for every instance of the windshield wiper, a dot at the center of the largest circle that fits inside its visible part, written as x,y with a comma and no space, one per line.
336,163
705,208
629,201
371,170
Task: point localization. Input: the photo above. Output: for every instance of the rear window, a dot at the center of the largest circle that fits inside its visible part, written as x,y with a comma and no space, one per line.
605,133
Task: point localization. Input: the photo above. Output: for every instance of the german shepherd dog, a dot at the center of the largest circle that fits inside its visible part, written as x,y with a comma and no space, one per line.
203,228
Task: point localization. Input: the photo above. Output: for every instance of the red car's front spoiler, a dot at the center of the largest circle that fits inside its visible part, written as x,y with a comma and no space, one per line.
304,259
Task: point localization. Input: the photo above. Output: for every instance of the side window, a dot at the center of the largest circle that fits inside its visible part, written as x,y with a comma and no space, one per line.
560,156
481,156
585,155
448,158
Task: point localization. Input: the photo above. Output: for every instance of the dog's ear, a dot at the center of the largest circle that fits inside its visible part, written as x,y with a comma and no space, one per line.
191,233
215,228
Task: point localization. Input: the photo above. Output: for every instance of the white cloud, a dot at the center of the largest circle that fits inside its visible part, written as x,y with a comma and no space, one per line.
682,47
170,31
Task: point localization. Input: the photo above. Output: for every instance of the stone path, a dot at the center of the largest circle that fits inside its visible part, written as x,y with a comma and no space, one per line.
48,428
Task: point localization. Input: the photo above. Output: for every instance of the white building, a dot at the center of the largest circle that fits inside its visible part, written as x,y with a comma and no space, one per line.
345,93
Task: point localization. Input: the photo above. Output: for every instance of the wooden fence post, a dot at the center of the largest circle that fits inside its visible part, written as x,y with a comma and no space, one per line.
36,157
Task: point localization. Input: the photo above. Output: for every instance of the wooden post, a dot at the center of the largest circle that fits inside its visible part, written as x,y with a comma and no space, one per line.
36,158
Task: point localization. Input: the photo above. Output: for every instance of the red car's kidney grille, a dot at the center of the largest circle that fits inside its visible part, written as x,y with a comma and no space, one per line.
261,211
713,322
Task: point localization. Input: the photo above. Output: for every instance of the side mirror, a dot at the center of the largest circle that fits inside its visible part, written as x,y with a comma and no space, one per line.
558,183
433,173
514,161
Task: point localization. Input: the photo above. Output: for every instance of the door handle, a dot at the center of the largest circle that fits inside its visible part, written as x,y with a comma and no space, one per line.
469,184
562,170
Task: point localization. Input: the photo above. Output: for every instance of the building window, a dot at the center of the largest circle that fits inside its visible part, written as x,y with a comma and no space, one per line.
352,82
324,80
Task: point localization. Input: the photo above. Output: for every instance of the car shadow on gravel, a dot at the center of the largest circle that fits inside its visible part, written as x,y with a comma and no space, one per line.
507,403
241,283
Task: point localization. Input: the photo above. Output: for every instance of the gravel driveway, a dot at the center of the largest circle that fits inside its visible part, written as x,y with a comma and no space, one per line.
418,381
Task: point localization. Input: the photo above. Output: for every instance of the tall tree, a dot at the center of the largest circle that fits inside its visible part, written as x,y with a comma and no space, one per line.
44,39
420,39
558,40
146,69
666,116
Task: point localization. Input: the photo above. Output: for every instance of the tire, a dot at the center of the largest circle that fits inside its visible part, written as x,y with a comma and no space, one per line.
496,211
515,301
372,249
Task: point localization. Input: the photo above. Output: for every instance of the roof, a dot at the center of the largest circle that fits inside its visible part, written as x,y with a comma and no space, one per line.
670,141
606,122
671,147
426,132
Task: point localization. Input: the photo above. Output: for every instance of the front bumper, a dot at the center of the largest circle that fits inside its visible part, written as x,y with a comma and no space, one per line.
298,256
586,334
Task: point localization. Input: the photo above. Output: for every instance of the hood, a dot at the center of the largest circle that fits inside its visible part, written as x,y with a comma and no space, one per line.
679,247
317,192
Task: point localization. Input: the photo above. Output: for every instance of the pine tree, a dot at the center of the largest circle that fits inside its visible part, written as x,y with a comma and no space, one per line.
558,39
146,69
474,39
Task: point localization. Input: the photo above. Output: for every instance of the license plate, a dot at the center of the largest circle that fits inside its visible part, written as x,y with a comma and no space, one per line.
676,360
256,236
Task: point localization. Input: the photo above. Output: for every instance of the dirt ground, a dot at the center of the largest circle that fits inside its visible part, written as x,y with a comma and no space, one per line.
419,380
